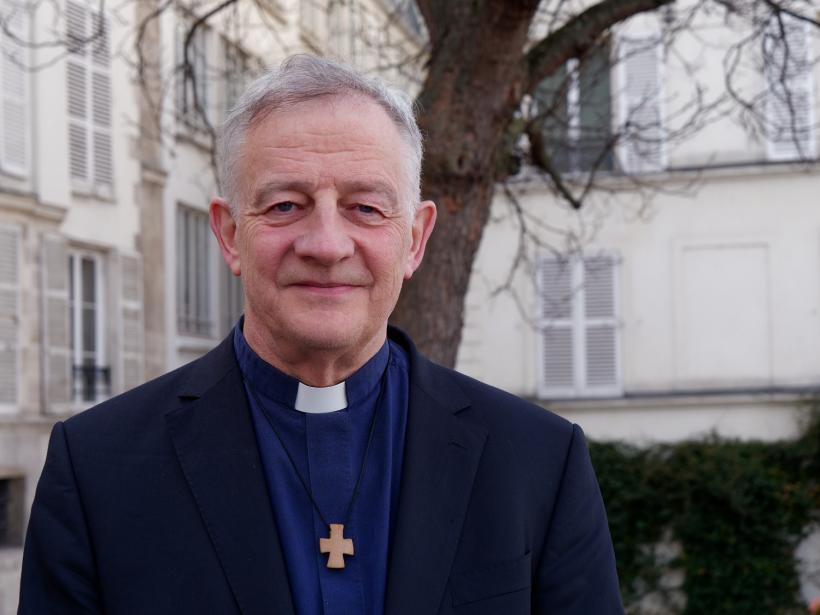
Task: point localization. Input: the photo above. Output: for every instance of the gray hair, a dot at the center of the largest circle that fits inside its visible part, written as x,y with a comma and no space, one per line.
302,78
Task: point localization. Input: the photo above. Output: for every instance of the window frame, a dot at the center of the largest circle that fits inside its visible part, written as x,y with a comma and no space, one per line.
76,305
188,118
575,102
194,322
578,322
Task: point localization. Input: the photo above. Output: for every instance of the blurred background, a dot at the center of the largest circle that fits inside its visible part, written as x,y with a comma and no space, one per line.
628,235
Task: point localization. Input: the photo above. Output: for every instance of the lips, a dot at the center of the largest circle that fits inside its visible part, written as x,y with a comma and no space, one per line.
312,284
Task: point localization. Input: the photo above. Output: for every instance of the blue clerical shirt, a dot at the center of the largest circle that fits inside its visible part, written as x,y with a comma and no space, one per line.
327,450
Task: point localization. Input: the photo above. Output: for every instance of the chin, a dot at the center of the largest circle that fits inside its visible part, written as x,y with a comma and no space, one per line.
328,333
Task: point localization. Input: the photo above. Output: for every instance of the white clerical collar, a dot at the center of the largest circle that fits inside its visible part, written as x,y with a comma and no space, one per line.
318,400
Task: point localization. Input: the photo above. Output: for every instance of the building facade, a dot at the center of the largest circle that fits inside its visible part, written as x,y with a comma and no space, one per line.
683,299
683,296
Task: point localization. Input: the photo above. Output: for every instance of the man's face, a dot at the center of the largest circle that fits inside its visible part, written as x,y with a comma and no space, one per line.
322,239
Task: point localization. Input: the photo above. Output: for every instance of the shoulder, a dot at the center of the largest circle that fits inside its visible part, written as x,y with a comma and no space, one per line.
139,411
503,413
529,428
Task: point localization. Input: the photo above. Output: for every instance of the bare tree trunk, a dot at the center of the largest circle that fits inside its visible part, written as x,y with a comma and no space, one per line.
472,90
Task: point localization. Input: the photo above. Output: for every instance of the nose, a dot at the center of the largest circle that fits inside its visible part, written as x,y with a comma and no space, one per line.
325,238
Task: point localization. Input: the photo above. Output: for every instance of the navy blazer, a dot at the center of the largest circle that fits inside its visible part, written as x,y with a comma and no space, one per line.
155,503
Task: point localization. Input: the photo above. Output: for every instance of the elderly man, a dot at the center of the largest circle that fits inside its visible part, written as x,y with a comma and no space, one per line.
314,462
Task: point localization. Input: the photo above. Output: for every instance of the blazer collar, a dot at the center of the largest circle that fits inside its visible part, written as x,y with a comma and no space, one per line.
216,447
441,456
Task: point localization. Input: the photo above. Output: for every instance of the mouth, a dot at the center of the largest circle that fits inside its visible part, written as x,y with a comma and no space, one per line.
325,288
312,284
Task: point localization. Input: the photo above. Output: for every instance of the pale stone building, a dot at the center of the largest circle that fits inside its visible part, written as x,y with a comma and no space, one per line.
695,311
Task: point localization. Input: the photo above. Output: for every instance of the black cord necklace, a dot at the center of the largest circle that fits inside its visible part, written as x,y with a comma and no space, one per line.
336,545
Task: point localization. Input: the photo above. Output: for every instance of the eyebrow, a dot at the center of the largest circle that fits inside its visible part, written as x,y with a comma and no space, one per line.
279,185
379,187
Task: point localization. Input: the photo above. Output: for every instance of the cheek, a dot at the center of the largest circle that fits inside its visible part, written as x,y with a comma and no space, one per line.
262,252
388,267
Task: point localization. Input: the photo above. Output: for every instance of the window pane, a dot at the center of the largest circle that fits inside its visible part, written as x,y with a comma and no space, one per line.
89,292
89,331
193,273
72,305
595,106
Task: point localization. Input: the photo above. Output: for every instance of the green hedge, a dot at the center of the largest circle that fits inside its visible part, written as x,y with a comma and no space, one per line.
736,510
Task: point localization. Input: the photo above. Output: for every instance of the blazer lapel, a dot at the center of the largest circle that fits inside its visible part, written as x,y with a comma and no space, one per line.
216,446
442,453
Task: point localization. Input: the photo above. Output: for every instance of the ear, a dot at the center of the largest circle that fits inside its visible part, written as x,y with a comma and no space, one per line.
424,219
223,226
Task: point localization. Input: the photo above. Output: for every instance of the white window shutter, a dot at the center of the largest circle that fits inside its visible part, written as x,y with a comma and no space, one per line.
101,100
556,295
131,318
558,358
76,17
642,147
88,82
101,127
10,264
555,286
101,33
56,331
14,129
789,89
77,119
601,326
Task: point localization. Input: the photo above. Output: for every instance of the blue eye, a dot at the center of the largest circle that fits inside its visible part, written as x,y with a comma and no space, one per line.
284,207
366,209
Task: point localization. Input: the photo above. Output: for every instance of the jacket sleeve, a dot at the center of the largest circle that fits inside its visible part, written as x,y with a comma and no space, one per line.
58,574
576,574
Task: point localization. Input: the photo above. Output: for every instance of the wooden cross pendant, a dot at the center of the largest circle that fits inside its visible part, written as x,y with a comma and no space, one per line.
337,546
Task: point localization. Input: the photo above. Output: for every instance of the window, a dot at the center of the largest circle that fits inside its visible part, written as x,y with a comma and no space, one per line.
787,63
14,139
88,81
193,94
575,104
578,327
11,512
91,376
193,272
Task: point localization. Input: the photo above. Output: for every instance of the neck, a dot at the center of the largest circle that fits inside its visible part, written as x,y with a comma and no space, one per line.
314,366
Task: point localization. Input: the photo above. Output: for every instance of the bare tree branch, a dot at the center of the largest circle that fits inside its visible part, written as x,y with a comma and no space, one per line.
580,34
